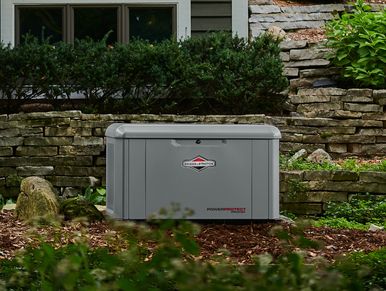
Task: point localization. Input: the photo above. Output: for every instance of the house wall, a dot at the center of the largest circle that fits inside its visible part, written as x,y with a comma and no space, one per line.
211,15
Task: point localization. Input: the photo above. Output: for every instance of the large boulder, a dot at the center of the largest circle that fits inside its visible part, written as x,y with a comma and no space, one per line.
79,207
37,198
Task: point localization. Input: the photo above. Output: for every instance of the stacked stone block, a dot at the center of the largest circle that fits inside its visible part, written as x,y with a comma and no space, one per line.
343,122
307,192
290,17
306,64
265,14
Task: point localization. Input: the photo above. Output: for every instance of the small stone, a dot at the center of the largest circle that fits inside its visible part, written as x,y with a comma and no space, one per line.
276,33
319,156
70,192
286,219
297,156
374,227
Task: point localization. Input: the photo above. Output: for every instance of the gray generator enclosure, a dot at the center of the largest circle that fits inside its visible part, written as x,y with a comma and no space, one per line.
218,171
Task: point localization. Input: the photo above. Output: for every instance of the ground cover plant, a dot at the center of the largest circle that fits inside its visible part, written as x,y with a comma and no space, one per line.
217,73
358,39
350,164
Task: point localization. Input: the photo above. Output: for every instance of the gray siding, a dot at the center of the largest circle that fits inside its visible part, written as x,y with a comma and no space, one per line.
211,15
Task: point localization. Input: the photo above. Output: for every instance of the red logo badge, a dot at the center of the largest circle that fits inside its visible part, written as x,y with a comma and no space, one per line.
199,163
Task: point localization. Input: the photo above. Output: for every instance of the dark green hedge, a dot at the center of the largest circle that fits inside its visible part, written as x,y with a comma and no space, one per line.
214,74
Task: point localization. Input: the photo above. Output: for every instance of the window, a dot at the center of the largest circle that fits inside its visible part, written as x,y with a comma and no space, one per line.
41,23
120,22
95,23
70,19
153,24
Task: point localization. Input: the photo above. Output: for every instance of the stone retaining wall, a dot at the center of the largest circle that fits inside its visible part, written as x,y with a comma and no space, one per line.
306,65
306,192
68,147
264,14
290,18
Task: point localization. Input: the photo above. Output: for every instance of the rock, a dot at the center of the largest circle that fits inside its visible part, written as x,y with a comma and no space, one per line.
37,198
79,207
287,219
260,9
362,107
291,72
276,33
292,44
298,155
324,83
71,192
319,156
374,227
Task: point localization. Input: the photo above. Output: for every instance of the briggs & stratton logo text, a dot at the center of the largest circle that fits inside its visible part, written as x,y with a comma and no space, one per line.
199,163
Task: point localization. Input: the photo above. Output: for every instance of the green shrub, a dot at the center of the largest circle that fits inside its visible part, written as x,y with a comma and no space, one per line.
212,74
358,40
96,196
339,222
364,269
242,76
361,208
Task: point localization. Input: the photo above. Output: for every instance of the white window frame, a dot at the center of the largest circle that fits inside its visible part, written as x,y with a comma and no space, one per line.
8,22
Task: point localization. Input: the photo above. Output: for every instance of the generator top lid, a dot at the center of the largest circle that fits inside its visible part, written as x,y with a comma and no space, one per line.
192,131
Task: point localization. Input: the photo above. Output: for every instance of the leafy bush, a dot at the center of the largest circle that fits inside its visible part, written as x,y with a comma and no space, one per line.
368,270
171,264
359,43
214,74
96,196
361,208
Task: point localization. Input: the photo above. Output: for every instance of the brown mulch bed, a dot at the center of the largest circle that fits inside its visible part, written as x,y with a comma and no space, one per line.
241,240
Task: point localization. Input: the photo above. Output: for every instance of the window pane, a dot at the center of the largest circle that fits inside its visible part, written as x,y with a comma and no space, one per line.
41,22
96,22
152,24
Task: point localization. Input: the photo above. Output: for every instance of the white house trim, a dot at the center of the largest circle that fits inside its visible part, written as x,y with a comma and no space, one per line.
7,17
240,18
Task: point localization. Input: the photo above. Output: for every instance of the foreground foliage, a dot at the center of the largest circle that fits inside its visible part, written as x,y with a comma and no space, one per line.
173,264
211,74
359,43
